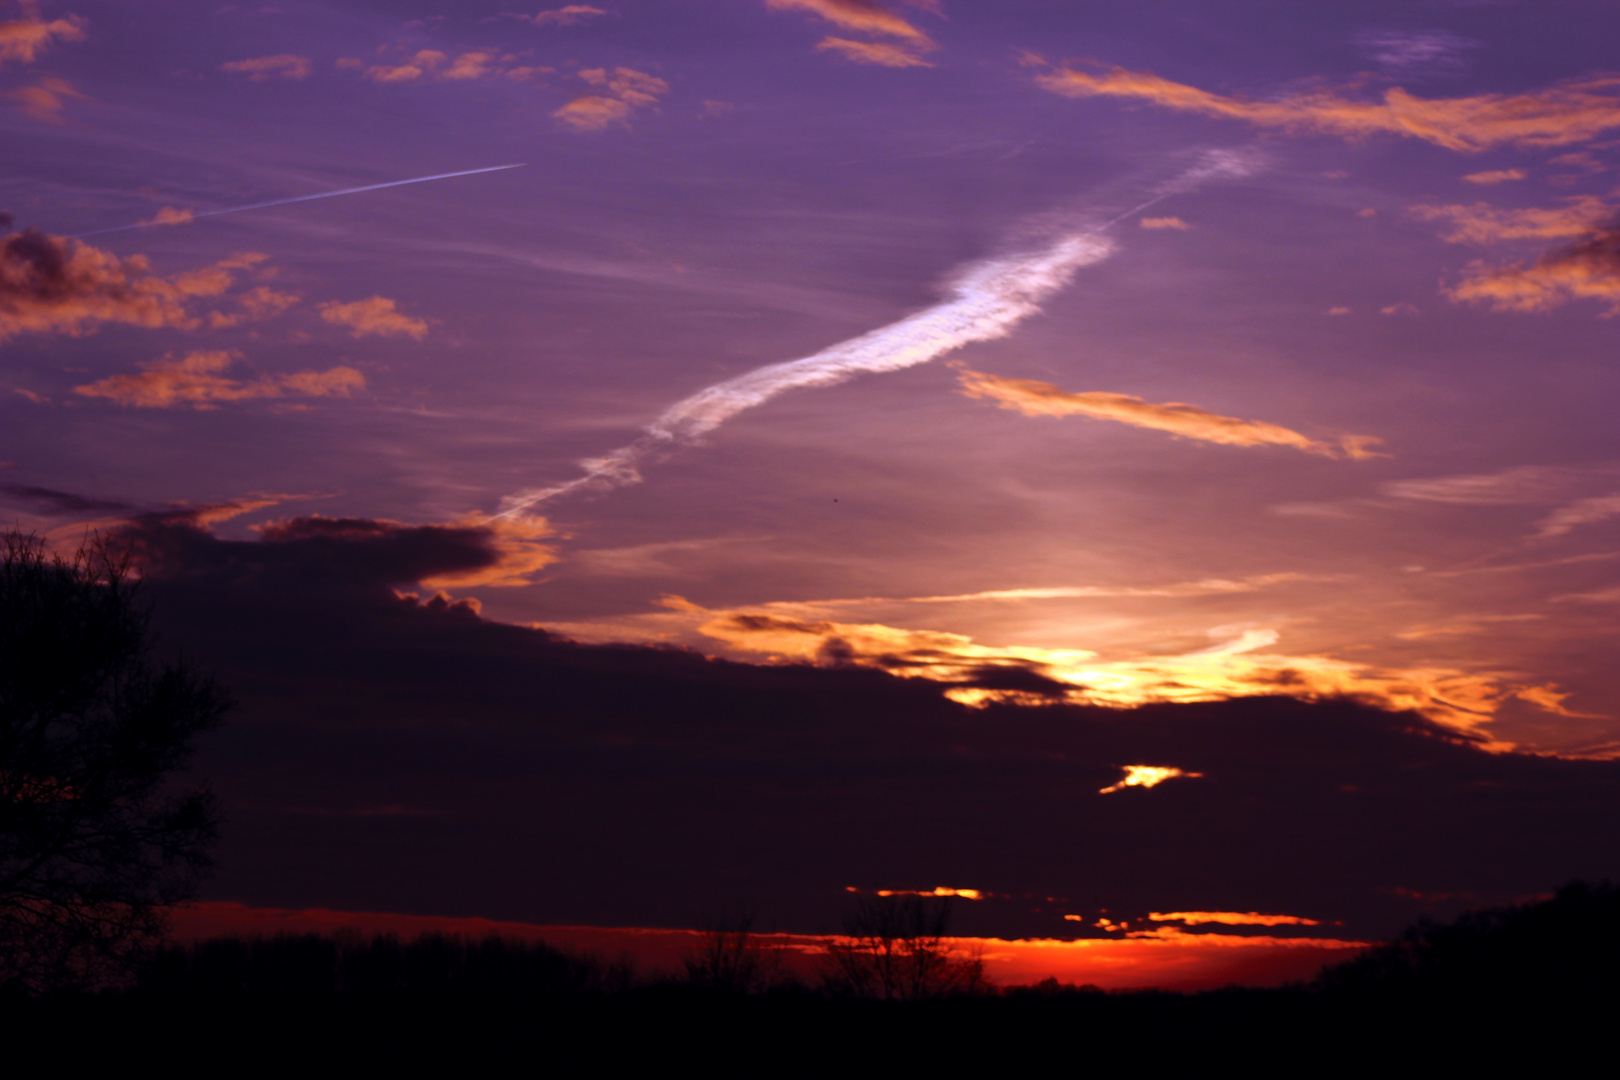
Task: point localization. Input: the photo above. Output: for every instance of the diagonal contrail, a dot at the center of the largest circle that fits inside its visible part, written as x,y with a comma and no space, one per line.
302,198
984,301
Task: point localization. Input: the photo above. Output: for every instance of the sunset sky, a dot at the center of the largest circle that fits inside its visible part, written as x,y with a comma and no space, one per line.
951,368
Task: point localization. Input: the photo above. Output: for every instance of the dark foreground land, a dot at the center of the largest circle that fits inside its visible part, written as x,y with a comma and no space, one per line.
1529,987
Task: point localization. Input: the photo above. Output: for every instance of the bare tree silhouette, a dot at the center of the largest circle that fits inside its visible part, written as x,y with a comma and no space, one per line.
94,841
896,948
729,958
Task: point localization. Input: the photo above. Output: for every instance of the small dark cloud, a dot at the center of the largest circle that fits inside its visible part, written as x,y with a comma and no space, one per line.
60,502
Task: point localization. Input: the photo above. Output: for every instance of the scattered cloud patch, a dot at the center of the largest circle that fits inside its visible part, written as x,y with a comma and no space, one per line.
281,66
52,284
1403,308
1560,115
1481,223
1495,176
1034,398
1338,311
1411,51
197,381
171,215
1163,223
622,91
46,99
873,52
22,40
1519,486
376,315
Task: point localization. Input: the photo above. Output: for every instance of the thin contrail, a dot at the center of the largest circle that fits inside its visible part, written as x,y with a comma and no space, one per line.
300,198
984,301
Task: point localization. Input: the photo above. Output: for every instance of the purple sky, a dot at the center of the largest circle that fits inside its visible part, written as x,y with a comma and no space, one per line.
1385,326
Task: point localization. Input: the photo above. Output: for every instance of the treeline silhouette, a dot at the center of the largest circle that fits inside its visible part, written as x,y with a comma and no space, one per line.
1535,984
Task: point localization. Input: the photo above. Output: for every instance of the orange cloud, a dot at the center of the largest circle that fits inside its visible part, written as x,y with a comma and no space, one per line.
867,16
1495,176
1588,269
196,381
282,66
629,89
1146,776
1570,112
1230,918
520,554
1481,223
46,99
22,40
1163,223
375,315
873,52
53,284
1043,399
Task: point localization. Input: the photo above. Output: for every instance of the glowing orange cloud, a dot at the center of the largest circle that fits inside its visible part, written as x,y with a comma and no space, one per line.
1571,112
1241,666
1146,776
52,284
1163,223
1189,421
375,315
521,554
195,380
938,890
1230,918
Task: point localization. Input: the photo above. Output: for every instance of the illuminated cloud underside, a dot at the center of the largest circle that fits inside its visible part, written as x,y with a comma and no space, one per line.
1189,421
1146,776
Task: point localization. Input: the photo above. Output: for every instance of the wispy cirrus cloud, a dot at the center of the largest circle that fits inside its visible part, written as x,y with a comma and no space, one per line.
22,40
1560,115
1481,223
375,315
1567,518
51,284
1495,176
872,52
1034,398
281,66
869,17
198,381
620,92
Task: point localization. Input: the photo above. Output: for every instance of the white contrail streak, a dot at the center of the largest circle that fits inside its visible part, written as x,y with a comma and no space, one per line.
984,301
302,198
